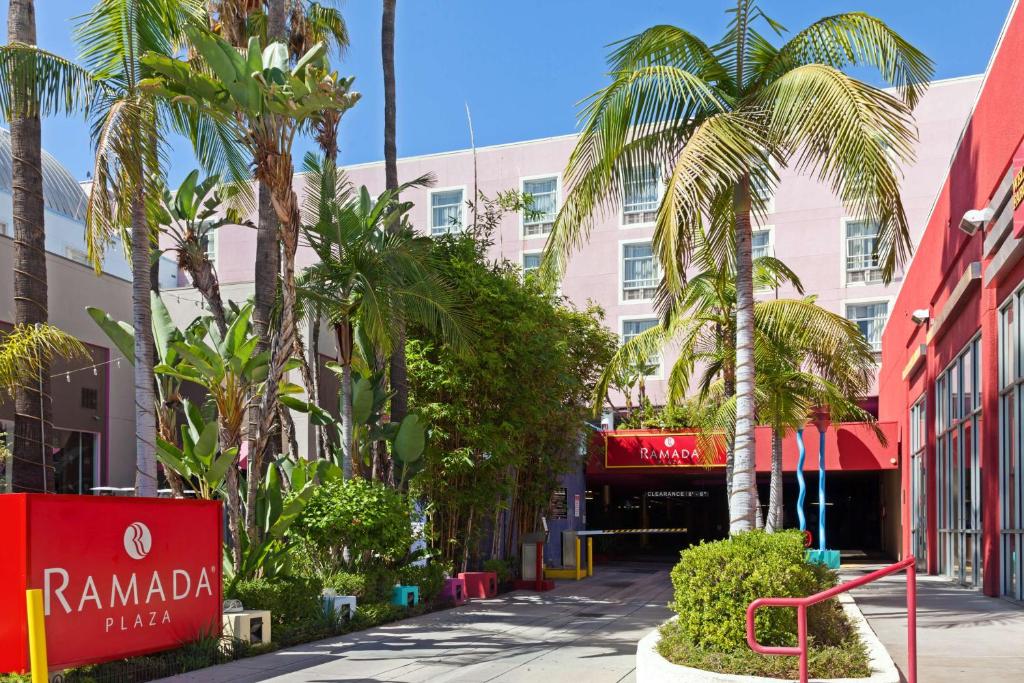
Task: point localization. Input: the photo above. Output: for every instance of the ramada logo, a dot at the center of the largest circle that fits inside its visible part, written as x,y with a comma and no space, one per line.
137,540
669,442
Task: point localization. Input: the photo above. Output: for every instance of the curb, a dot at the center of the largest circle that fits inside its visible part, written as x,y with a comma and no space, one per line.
651,667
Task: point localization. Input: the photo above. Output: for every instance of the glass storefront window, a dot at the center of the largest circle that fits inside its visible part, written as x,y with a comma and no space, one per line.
919,481
958,467
1011,479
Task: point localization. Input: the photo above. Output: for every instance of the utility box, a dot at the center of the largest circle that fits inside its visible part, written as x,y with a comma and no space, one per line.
569,549
248,626
529,554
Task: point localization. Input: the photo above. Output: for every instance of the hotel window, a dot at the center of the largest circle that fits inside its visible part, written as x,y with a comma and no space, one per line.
74,461
631,328
958,467
531,261
870,318
543,206
1011,467
640,198
761,243
862,264
762,191
639,272
446,212
209,244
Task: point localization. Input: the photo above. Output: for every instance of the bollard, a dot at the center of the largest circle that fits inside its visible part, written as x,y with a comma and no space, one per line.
539,576
590,555
36,635
578,568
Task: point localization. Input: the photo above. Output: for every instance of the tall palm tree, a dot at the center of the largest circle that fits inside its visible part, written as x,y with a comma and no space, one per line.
701,325
129,128
715,121
371,270
33,83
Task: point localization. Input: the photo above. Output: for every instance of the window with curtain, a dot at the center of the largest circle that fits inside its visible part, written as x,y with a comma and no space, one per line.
531,262
631,328
862,264
640,198
446,212
543,194
870,318
761,244
639,272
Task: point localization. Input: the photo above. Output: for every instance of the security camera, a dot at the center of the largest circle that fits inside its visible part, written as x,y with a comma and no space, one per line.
920,316
974,220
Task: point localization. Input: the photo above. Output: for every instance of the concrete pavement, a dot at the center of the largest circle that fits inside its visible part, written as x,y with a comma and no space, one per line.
962,635
585,631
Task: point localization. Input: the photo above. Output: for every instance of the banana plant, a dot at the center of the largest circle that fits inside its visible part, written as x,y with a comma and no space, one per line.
199,460
406,439
165,335
268,555
190,216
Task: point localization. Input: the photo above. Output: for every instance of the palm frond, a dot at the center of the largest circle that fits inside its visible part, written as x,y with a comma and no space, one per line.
25,349
34,82
848,134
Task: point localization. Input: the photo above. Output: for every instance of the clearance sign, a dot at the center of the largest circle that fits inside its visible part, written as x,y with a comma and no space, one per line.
659,450
120,576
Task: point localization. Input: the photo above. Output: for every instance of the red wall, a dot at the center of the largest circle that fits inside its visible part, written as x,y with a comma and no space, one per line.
983,157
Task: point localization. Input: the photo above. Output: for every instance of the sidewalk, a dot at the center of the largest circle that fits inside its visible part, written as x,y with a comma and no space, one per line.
962,635
585,632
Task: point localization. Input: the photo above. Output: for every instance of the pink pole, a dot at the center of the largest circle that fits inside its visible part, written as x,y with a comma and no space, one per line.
538,579
801,633
911,622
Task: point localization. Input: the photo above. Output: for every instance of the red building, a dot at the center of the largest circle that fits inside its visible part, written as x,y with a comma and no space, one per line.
952,372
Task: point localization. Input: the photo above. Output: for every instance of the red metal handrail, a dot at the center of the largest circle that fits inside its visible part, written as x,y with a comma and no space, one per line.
801,605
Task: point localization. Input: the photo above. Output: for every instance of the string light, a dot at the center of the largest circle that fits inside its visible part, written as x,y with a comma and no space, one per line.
94,368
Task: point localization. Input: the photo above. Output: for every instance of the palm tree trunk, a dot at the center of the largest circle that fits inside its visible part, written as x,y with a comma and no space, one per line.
775,519
398,370
32,470
231,483
344,334
142,320
743,498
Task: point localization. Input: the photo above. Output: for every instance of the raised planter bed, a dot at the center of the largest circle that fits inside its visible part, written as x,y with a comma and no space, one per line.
651,667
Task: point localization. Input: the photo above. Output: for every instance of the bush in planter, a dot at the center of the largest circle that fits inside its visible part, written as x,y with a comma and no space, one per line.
430,579
291,600
358,522
503,568
714,583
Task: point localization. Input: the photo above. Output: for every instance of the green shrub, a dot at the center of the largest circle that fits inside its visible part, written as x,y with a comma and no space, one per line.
291,600
430,579
714,583
372,521
347,583
502,568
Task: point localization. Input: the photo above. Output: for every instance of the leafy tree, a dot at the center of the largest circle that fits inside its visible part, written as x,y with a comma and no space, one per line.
715,121
506,421
372,270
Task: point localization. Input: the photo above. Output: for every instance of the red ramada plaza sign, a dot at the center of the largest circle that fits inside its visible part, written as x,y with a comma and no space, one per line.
120,576
660,449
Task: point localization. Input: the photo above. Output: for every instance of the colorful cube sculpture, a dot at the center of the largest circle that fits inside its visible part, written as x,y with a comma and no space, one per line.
405,596
454,591
480,584
341,607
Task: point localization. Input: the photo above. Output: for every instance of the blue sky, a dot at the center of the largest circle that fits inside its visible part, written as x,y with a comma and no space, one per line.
522,66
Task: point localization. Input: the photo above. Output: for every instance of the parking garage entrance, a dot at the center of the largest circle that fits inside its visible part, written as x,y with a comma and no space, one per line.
635,481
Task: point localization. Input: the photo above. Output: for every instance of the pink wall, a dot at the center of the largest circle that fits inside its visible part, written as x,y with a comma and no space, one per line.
807,218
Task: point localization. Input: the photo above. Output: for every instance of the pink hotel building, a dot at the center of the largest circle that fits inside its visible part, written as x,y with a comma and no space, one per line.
806,227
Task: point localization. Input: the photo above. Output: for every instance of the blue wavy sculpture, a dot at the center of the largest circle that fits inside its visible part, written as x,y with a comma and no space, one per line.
800,480
821,491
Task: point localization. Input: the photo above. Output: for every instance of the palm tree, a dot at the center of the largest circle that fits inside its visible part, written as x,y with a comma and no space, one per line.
129,128
371,270
793,380
701,324
716,121
26,350
33,83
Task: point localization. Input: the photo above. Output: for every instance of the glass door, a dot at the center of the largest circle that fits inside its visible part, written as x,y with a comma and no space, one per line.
919,483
